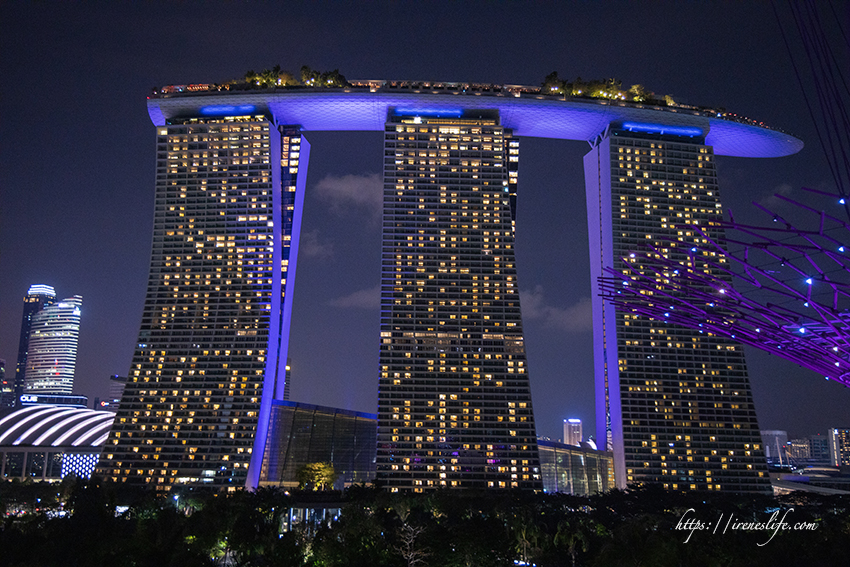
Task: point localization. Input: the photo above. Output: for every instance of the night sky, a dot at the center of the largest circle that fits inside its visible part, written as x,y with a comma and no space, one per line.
77,165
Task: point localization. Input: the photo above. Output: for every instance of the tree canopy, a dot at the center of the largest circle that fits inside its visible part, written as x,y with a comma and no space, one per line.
601,88
316,476
277,77
375,528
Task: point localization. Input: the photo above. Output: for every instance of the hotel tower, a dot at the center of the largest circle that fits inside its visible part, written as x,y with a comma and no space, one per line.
454,404
673,403
215,329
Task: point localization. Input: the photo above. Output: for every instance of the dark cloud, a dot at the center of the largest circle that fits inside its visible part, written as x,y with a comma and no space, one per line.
362,299
573,319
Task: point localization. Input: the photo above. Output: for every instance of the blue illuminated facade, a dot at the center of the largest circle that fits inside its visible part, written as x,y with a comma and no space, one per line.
227,110
663,129
365,108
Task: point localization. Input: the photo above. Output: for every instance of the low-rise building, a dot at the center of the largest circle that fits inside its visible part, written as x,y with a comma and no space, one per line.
48,442
572,469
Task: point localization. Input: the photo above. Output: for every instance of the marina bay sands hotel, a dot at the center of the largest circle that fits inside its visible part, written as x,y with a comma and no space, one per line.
454,404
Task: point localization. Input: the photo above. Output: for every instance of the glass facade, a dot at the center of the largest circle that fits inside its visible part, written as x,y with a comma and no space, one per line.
37,463
301,434
52,348
454,404
37,298
676,402
575,470
211,353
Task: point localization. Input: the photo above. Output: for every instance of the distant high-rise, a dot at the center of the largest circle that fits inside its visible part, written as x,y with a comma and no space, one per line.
37,298
839,446
116,387
454,404
113,396
7,387
819,449
677,402
212,347
813,450
572,432
52,348
799,451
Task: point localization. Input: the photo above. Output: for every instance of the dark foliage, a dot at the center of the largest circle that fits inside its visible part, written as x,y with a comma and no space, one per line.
640,526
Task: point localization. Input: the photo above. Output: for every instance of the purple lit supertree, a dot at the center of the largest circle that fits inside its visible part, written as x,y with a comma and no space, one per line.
791,292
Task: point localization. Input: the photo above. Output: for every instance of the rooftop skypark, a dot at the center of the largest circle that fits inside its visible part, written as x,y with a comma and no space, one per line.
599,91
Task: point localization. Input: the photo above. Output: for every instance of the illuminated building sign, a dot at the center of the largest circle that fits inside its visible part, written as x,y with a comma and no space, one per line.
662,129
227,109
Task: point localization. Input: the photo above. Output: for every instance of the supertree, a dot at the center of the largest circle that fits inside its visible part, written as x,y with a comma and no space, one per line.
789,292
784,287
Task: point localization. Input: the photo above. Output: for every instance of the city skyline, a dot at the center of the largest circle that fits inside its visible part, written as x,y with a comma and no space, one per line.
551,310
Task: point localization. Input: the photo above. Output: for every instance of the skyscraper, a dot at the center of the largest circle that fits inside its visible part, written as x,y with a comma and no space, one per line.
213,343
572,432
676,402
839,446
454,404
38,296
7,386
52,348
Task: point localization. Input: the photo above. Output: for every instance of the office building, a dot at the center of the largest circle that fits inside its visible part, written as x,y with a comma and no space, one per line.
798,451
52,348
819,449
572,432
454,404
288,386
116,387
811,451
113,397
677,402
38,297
839,446
213,343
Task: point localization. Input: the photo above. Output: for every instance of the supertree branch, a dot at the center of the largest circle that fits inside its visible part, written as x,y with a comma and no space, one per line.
780,288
